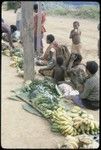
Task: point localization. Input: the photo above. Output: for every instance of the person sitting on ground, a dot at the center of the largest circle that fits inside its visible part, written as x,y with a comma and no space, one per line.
6,29
43,60
63,51
89,91
76,70
15,33
75,36
59,70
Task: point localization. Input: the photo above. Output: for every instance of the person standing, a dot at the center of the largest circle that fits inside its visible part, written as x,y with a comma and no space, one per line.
43,19
75,35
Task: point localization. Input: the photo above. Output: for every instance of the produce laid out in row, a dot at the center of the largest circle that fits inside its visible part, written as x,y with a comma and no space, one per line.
42,96
78,142
17,59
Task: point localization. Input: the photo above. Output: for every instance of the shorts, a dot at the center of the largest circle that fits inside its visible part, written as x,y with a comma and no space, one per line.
76,48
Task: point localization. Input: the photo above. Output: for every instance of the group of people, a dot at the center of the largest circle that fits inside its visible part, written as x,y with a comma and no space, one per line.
61,64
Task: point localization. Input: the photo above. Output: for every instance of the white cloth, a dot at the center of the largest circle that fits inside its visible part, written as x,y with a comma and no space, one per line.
67,90
16,35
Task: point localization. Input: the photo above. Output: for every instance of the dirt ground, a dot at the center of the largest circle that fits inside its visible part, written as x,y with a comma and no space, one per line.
19,129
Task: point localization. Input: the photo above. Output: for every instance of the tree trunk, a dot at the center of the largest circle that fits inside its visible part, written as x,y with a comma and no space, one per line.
28,39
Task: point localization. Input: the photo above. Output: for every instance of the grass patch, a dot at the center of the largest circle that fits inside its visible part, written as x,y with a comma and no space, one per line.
82,12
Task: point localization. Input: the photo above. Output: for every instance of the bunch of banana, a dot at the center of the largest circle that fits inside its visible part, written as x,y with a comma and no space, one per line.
20,72
63,121
77,122
78,142
70,142
6,52
76,109
13,64
14,58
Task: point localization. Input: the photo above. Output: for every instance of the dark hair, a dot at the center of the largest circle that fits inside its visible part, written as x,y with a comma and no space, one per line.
76,22
13,28
92,67
35,6
50,37
59,60
78,57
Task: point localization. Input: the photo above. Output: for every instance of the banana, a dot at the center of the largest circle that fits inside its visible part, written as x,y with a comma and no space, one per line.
74,111
92,125
68,130
74,132
62,128
77,119
77,108
90,117
84,116
73,115
74,144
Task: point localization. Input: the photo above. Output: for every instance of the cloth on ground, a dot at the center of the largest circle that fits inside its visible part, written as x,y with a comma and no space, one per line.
68,91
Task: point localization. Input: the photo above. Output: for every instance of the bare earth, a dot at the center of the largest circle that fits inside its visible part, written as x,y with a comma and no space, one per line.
20,129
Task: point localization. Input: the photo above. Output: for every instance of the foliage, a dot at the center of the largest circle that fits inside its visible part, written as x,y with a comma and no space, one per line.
82,12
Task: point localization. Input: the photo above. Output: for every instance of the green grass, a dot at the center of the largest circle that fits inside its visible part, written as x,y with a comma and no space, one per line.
83,12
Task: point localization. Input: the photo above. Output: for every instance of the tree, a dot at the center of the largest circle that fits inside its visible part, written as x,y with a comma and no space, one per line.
28,39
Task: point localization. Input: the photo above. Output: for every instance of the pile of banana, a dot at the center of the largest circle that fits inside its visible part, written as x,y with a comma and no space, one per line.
61,122
6,52
78,142
73,122
83,122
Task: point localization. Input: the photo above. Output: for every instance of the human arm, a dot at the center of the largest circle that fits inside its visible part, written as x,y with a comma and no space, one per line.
71,34
85,90
53,73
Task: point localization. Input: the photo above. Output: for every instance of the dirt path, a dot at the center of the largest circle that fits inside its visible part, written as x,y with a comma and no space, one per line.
19,129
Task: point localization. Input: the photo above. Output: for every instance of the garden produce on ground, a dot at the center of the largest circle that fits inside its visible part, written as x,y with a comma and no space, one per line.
42,96
79,142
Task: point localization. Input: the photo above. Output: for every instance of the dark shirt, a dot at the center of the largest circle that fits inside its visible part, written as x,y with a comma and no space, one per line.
58,73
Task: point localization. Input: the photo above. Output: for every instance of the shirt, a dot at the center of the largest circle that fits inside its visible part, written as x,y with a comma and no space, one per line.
78,75
43,19
91,88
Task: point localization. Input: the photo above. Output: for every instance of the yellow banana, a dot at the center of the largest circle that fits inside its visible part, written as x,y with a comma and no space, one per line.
92,125
74,144
67,129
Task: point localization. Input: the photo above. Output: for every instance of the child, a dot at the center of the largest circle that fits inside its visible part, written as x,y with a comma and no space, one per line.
76,71
89,92
58,71
15,33
75,36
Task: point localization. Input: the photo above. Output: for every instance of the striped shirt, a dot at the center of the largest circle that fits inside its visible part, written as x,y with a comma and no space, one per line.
91,88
